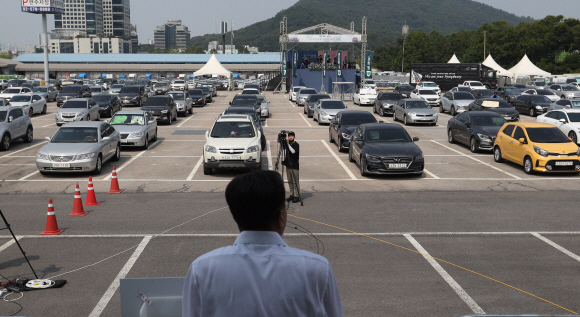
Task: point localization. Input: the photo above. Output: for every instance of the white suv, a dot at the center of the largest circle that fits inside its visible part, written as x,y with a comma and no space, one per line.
429,85
232,142
179,85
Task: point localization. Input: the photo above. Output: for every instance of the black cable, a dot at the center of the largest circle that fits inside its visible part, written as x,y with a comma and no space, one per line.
5,278
16,304
311,234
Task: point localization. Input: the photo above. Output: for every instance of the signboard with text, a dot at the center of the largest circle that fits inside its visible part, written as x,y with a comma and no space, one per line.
369,65
323,38
43,6
284,64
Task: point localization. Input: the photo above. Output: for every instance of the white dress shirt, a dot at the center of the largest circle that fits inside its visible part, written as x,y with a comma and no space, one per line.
260,276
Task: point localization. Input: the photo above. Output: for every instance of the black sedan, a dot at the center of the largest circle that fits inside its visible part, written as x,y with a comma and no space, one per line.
108,104
532,105
495,105
385,148
247,101
207,93
477,129
404,90
385,102
508,93
482,93
162,108
197,97
344,124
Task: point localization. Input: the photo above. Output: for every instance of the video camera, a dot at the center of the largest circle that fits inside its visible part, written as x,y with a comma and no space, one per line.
282,136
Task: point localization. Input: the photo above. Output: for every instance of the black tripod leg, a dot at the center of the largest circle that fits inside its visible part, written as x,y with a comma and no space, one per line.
17,243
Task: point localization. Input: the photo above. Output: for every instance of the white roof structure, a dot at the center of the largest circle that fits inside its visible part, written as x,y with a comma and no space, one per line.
454,60
213,67
525,67
490,62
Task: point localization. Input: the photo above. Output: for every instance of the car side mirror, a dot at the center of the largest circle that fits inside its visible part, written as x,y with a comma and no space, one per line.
563,120
105,139
10,119
47,138
207,134
151,121
522,140
415,139
230,103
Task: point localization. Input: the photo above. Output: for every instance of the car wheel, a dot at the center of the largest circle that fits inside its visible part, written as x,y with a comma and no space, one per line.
111,112
330,139
207,170
450,138
497,155
452,111
350,159
528,165
170,120
382,112
117,154
191,110
441,108
319,120
155,136
30,112
140,103
573,137
532,112
473,146
29,135
339,144
5,144
305,112
58,124
405,120
98,165
362,167
394,116
44,109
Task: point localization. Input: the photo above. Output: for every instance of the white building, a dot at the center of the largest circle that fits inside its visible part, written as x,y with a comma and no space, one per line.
116,17
94,45
230,49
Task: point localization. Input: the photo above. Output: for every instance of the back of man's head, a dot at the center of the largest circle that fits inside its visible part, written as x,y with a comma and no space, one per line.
256,199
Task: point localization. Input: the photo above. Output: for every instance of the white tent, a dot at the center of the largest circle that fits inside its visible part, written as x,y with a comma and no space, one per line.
490,62
454,60
213,67
526,68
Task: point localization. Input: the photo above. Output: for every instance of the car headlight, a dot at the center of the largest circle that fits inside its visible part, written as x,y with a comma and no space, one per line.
412,113
209,148
578,152
418,157
484,137
137,134
254,148
42,156
540,151
372,157
85,156
539,107
345,136
163,111
324,113
106,107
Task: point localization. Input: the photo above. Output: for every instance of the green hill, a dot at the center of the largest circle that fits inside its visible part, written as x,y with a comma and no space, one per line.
384,20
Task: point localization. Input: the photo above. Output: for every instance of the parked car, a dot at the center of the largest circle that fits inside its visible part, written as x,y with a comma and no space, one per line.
538,147
385,102
77,109
385,148
567,120
404,90
255,86
207,93
365,96
496,105
15,82
326,109
116,88
161,88
45,92
294,92
32,103
97,90
8,93
430,96
521,87
476,129
532,105
456,102
473,85
414,111
542,92
182,101
508,93
369,84
14,125
233,141
464,89
108,104
256,119
247,101
197,97
179,85
133,96
536,84
303,94
4,102
250,91
429,85
565,91
344,124
482,93
136,127
566,104
71,92
79,147
163,108
264,106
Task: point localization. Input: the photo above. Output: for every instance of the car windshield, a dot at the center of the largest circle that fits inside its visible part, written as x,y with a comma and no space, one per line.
102,98
40,89
75,104
430,85
512,90
177,96
2,116
487,121
574,116
250,92
75,135
427,92
315,98
243,101
463,96
71,89
539,99
547,135
575,103
156,102
129,90
539,83
128,119
96,89
118,86
161,85
296,89
232,130
21,98
406,88
357,119
332,105
417,105
387,135
307,91
11,91
247,111
179,82
205,89
463,89
393,97
475,84
569,88
485,93
495,104
195,92
545,93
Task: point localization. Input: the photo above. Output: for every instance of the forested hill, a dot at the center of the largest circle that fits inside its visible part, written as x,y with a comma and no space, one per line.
385,19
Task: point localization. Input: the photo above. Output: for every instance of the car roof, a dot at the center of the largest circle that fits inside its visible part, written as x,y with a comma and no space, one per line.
234,118
79,99
176,92
381,125
567,110
131,112
353,112
327,100
84,124
413,99
527,124
240,108
483,113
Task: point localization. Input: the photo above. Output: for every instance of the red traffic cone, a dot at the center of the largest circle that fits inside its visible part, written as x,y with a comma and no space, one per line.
78,210
91,198
114,183
51,225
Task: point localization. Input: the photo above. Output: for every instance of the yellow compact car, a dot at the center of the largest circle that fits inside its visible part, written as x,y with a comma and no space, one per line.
539,147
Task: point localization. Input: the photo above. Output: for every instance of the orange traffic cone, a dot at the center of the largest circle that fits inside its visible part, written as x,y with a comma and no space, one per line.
51,225
91,198
114,183
78,210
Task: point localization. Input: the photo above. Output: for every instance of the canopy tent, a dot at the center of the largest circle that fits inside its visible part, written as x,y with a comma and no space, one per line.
213,67
454,60
525,67
490,62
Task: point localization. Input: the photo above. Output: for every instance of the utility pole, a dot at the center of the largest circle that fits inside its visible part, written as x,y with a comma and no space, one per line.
484,43
405,32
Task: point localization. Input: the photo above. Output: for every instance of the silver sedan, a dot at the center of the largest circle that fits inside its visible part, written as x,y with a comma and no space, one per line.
326,109
455,102
78,109
414,111
183,102
48,93
136,127
79,147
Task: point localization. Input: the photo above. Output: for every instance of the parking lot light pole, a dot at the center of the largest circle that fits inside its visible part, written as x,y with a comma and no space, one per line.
45,47
405,32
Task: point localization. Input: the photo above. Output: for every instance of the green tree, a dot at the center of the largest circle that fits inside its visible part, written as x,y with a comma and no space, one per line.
213,51
243,49
5,56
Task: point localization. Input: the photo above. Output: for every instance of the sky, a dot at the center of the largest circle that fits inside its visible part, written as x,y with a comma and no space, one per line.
21,28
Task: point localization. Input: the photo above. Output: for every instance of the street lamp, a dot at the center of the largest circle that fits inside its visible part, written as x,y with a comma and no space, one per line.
405,33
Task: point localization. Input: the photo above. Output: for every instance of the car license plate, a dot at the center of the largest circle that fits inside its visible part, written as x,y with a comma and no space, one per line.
564,163
123,141
398,166
231,157
125,101
60,164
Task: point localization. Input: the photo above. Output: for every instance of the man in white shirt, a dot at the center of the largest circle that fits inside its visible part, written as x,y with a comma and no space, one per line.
260,275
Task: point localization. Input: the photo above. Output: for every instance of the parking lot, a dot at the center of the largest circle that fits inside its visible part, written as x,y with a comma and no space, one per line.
491,219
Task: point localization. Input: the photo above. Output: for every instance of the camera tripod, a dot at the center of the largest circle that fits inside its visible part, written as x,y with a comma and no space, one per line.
282,154
17,243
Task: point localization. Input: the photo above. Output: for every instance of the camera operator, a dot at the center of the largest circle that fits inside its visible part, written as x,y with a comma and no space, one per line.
292,167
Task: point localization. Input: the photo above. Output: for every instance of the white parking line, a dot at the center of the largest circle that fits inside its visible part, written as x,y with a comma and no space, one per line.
7,244
48,125
339,160
302,116
117,281
24,149
454,285
557,246
269,151
130,161
184,121
27,176
291,103
430,174
195,168
479,161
